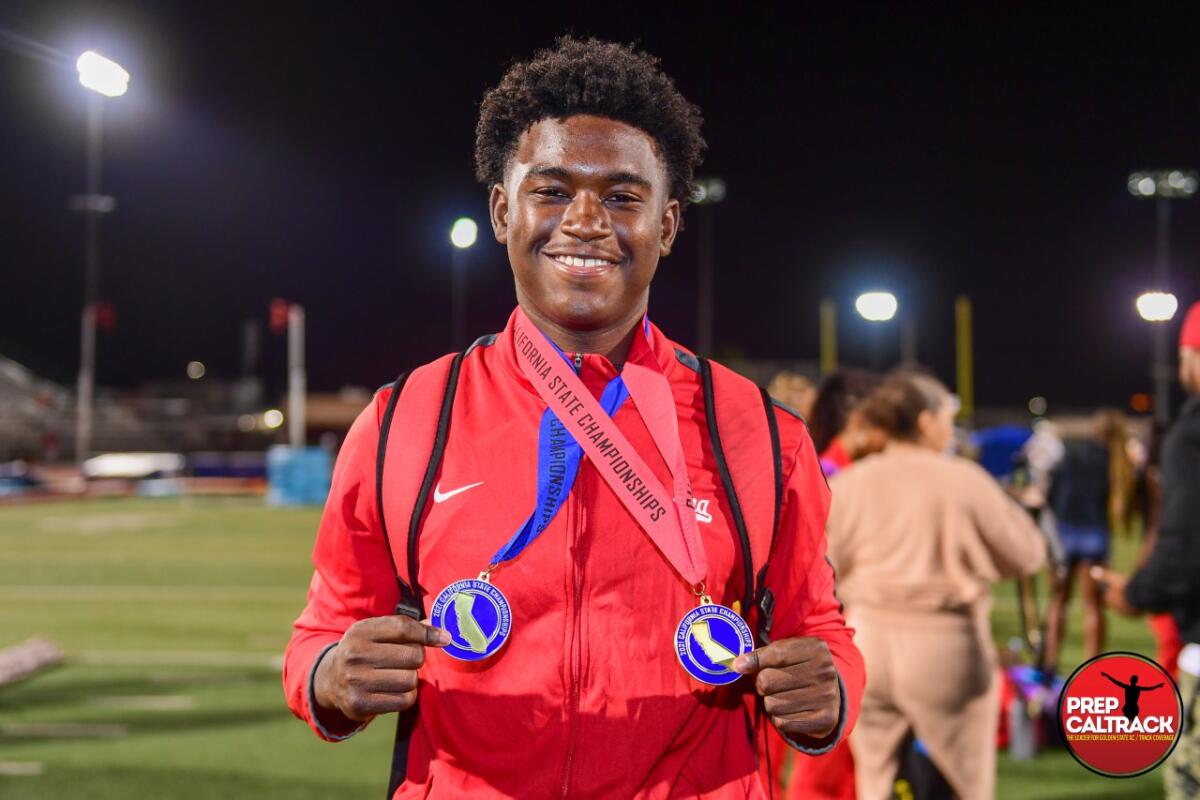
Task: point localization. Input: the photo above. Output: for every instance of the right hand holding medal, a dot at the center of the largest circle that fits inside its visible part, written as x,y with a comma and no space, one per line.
373,670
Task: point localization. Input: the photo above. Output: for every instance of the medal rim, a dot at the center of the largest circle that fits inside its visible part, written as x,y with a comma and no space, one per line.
502,631
744,633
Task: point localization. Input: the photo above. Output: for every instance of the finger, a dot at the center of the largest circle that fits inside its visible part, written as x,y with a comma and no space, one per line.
396,656
801,701
807,676
364,705
747,663
784,653
390,681
816,724
1109,576
405,630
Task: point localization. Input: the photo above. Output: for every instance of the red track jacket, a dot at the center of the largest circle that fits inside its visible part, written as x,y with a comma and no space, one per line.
587,698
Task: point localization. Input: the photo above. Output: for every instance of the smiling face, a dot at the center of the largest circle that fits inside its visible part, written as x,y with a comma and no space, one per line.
585,214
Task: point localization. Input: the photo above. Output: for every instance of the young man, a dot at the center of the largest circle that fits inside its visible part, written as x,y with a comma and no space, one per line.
601,650
1170,578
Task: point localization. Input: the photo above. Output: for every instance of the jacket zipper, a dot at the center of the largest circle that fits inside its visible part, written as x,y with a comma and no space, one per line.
576,654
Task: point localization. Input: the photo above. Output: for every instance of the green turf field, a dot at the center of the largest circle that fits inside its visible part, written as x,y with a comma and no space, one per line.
173,614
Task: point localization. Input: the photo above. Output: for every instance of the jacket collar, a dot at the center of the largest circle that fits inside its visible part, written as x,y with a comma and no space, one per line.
597,369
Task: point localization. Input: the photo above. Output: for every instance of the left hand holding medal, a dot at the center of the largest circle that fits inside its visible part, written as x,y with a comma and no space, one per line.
799,685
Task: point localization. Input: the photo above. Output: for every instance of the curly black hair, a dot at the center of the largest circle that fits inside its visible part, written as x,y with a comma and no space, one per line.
590,76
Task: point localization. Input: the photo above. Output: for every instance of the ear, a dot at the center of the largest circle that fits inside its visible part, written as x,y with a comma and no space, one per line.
498,213
670,227
926,423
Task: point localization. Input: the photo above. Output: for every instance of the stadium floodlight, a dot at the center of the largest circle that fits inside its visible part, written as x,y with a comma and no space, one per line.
102,74
106,78
708,191
1173,184
1163,186
876,306
463,233
1157,306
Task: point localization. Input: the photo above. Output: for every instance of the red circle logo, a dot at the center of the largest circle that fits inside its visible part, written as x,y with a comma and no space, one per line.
1120,714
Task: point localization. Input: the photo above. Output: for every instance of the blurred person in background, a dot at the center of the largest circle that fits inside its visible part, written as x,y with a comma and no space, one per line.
916,536
793,390
1169,580
840,432
1162,625
1091,491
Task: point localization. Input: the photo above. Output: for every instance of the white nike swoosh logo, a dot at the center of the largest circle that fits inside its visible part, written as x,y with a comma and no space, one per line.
440,497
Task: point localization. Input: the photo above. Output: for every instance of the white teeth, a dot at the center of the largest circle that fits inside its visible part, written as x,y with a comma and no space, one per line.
586,263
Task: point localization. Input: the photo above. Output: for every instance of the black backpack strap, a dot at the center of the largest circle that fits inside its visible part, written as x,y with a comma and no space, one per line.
735,506
411,602
776,456
763,597
435,462
407,605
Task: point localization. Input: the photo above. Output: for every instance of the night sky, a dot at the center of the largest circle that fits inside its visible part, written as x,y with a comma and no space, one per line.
303,151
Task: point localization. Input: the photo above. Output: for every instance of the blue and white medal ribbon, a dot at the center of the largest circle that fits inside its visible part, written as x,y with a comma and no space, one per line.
474,612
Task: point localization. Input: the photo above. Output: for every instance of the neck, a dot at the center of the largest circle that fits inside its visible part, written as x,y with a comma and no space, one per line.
612,342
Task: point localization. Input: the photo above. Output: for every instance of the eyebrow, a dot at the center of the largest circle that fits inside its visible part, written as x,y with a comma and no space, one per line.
610,177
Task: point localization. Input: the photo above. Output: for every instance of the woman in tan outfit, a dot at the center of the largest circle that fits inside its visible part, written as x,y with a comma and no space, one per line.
917,536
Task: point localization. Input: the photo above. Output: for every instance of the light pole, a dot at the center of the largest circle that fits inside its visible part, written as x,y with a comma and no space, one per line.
876,307
108,79
462,235
709,192
964,357
297,377
828,322
1164,186
1158,308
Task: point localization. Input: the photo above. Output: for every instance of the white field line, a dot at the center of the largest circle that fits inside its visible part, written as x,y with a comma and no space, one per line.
144,702
76,593
62,730
183,658
18,768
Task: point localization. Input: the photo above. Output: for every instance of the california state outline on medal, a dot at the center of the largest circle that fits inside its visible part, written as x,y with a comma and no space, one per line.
707,641
477,616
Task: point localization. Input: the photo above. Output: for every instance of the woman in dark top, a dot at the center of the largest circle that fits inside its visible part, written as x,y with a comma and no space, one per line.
1089,490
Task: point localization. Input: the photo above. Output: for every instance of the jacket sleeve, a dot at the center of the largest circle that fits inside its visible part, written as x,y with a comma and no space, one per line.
353,579
801,580
1014,544
1170,578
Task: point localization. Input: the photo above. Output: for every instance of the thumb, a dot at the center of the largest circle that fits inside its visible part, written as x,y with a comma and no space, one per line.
435,637
747,663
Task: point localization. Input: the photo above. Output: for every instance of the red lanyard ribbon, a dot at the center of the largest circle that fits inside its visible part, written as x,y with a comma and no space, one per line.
665,517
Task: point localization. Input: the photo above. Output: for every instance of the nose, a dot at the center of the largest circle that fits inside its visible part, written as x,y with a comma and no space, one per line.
586,218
